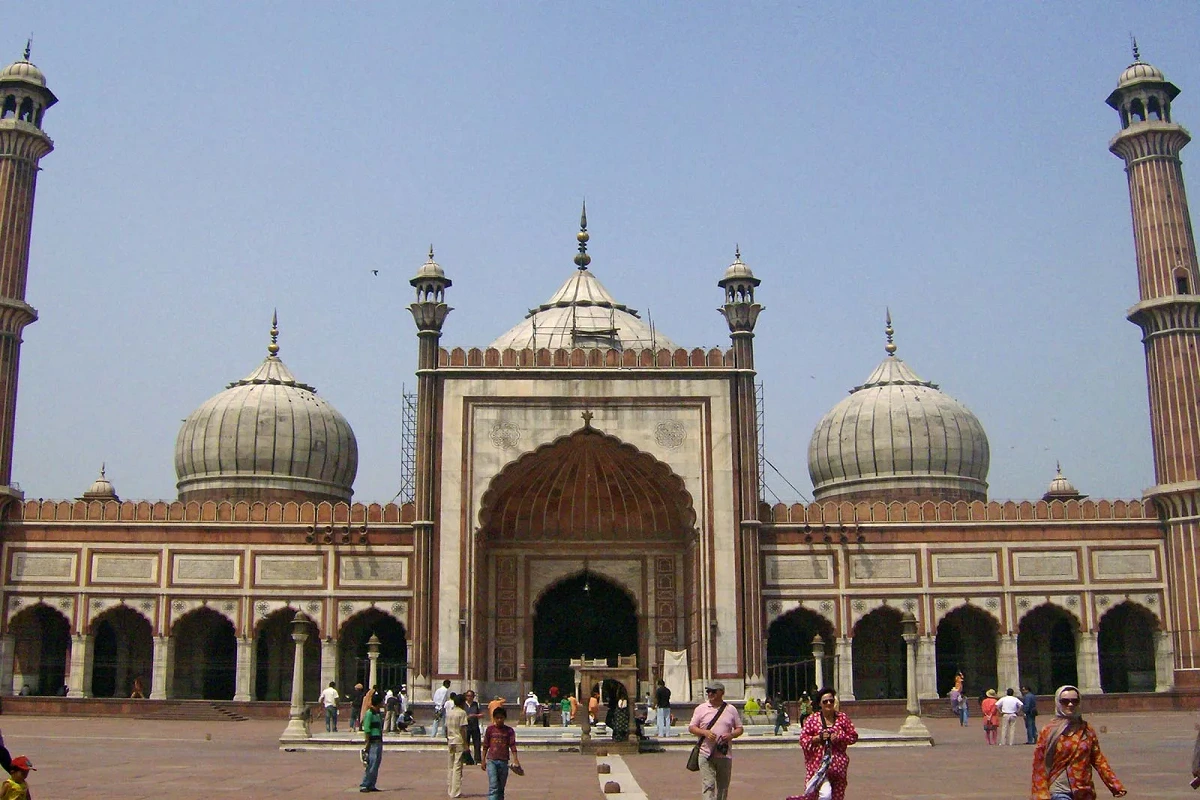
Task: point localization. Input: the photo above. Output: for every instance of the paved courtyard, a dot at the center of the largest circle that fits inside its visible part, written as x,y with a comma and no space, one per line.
135,759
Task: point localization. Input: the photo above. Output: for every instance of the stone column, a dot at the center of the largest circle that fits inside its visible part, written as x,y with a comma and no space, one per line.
1164,662
161,681
373,657
246,669
1007,670
329,662
297,727
912,723
1088,663
8,655
818,649
79,680
927,668
845,667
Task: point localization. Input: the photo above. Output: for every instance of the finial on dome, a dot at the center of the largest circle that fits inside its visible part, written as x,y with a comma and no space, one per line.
1058,468
583,259
1137,57
102,465
273,347
737,252
431,251
889,331
28,47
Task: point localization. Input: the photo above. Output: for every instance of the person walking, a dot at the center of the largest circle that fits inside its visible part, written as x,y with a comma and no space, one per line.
531,709
991,716
372,729
1066,753
564,706
356,698
824,738
662,714
594,705
717,724
956,703
456,742
329,699
439,708
391,711
1029,709
805,708
621,716
499,745
781,717
1009,706
474,734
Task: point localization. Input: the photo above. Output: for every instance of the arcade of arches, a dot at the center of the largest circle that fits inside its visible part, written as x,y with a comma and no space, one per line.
585,525
1048,650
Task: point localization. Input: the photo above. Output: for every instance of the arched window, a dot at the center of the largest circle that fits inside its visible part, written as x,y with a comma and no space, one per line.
10,107
1182,285
26,114
1154,109
1137,110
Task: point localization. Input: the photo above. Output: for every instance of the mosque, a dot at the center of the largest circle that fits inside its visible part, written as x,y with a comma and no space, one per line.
585,487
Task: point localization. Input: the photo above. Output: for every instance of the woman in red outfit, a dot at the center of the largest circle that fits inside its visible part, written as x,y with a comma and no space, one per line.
1067,750
824,738
991,716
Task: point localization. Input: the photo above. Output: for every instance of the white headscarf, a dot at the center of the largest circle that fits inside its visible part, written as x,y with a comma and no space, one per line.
1063,721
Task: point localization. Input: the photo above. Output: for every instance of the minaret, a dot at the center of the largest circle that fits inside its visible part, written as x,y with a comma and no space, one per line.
1168,312
741,313
430,312
22,145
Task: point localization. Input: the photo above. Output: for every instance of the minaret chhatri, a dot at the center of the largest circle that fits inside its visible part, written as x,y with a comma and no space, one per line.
1168,312
24,98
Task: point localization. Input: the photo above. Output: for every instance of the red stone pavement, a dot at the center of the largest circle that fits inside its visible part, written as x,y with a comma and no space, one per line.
106,758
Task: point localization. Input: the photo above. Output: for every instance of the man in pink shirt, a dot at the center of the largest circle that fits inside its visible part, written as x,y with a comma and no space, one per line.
717,724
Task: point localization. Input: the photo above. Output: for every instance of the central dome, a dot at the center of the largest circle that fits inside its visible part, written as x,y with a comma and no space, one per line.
266,437
898,437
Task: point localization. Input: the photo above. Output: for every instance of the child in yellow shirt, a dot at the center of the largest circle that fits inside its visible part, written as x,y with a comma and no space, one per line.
14,788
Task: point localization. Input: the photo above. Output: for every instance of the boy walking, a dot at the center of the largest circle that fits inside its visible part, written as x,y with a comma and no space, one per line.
14,788
499,744
372,728
456,740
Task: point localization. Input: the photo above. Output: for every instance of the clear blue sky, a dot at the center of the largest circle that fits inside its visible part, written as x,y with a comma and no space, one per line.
217,160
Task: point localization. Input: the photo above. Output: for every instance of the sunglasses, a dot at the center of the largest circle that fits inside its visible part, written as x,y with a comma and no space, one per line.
1069,701
827,701
712,691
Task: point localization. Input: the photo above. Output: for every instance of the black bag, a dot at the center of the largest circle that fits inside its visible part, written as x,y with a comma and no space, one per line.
693,762
468,760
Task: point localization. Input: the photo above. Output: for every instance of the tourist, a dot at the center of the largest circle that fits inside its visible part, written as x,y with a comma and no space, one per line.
499,745
959,680
991,716
1009,706
824,738
329,699
373,697
594,705
356,698
456,741
620,717
1029,708
474,735
662,716
497,702
1067,751
805,708
956,704
372,729
18,773
439,708
717,724
138,693
530,708
781,717
752,707
565,705
392,713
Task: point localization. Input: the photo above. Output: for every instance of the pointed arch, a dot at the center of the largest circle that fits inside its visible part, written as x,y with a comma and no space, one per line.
353,636
122,651
275,655
42,646
1047,647
1126,639
879,657
791,665
205,655
966,643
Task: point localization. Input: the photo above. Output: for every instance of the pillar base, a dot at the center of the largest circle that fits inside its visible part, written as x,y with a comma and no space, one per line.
914,727
296,730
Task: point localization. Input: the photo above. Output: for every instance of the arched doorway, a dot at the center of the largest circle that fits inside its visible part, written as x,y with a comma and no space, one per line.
43,642
584,504
275,655
880,663
205,656
355,667
1047,649
966,642
1126,640
791,668
582,616
122,650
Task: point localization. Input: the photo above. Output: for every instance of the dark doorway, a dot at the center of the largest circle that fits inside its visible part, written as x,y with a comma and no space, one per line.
584,616
43,640
123,652
791,668
1127,649
205,656
1046,649
353,664
879,658
276,655
966,642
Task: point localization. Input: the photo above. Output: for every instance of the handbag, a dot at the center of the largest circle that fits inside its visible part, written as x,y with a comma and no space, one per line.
693,762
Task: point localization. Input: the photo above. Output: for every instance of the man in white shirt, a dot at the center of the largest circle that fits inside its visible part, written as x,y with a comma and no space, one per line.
439,708
1009,706
531,708
329,699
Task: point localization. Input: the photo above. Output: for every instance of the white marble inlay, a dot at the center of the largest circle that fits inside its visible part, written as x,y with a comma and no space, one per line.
883,568
1124,564
303,570
391,570
195,568
1046,566
108,568
43,567
964,567
816,570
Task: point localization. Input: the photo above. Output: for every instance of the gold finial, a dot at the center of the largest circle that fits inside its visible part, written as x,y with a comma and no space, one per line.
890,347
737,253
273,347
1137,57
28,47
431,251
583,259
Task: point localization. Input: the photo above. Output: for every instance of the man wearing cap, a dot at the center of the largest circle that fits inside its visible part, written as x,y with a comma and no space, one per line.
717,724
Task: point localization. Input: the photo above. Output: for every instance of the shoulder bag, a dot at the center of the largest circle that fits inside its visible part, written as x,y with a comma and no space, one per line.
693,762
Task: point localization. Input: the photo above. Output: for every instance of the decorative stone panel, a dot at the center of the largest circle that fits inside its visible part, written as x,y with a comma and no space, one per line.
16,603
965,568
34,567
124,569
145,606
397,609
373,571
898,568
798,570
942,606
1028,602
862,606
1124,565
204,569
1046,566
289,570
180,607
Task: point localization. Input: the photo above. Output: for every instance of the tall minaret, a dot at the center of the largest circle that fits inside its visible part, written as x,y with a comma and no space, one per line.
25,99
429,311
741,313
1168,312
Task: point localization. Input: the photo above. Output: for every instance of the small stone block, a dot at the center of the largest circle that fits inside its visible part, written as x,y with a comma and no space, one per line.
612,787
603,769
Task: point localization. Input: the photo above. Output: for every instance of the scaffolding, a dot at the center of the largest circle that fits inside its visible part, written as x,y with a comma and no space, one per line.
760,420
408,446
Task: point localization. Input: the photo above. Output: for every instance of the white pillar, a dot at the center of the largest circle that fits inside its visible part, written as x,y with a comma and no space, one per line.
1164,662
329,662
243,682
1087,663
164,668
927,668
79,681
845,667
8,654
1007,665
912,723
296,727
818,651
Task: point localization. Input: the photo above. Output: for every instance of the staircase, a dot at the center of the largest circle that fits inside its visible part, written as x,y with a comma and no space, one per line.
198,710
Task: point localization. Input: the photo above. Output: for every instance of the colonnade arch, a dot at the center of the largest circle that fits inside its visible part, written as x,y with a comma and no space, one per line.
966,642
791,668
275,655
1126,638
205,656
123,651
353,637
41,649
1048,648
880,661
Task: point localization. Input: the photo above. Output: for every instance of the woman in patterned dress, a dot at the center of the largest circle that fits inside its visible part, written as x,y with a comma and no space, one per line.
827,731
1067,750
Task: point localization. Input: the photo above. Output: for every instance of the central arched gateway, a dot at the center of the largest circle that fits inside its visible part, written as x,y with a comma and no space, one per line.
586,510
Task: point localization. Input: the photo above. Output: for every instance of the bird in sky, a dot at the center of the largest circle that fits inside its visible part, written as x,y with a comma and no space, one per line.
374,272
